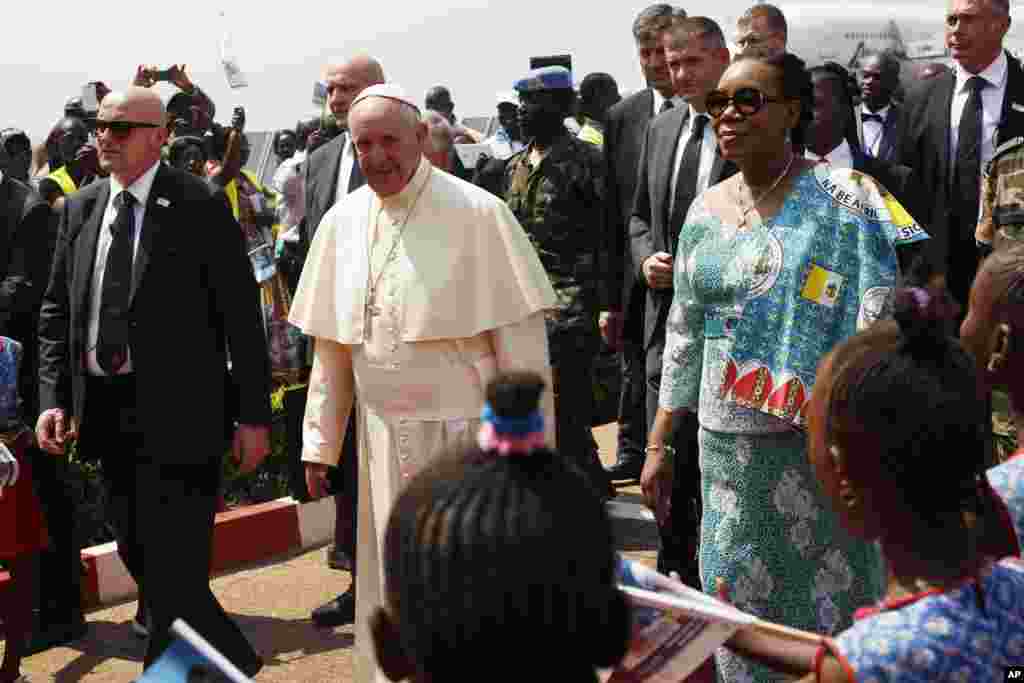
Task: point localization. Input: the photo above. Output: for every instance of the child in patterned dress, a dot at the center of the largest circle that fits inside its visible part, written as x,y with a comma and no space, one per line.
22,529
499,561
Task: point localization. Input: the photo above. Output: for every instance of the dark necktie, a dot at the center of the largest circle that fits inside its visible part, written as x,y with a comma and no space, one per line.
968,154
357,179
112,345
665,106
686,181
865,117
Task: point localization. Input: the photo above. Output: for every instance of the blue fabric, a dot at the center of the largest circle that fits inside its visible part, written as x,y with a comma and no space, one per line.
944,637
545,78
769,533
824,267
11,353
513,426
1007,480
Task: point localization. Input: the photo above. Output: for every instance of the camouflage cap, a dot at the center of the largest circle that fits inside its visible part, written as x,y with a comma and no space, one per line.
545,78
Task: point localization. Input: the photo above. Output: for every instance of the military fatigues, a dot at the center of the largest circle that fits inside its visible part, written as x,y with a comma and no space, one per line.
559,205
1002,194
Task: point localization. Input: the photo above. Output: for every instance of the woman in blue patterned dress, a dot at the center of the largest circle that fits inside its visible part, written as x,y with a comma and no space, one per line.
774,267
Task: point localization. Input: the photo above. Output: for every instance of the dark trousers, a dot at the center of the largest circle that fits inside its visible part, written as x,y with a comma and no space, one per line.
343,479
60,566
680,535
573,391
163,517
632,402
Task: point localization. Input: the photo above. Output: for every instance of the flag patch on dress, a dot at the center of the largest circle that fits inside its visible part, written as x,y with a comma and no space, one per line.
823,286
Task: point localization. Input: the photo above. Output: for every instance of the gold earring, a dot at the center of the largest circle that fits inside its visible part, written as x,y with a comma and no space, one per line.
836,455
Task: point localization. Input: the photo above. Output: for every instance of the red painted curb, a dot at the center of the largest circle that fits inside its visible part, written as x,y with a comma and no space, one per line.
90,583
254,532
240,536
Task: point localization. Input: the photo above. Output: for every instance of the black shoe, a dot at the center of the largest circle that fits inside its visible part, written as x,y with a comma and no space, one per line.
628,467
54,634
253,667
339,559
338,612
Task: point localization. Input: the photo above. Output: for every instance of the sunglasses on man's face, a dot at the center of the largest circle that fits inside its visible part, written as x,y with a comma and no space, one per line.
746,101
121,129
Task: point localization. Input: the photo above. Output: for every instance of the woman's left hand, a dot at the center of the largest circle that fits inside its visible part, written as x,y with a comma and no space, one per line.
656,483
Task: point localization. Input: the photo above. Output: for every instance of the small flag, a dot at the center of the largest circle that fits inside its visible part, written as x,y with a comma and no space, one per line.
823,286
190,659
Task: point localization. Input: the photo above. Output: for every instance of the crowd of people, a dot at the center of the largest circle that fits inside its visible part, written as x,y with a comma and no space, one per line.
813,278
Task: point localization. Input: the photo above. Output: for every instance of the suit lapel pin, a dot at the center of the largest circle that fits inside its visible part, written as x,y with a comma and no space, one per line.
163,202
1017,106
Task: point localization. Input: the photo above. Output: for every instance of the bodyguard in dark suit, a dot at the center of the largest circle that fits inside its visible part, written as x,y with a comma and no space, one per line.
679,161
331,173
880,120
137,321
27,236
623,142
954,122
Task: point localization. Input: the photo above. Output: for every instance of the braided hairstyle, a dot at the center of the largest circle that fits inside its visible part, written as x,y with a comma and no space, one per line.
908,391
505,560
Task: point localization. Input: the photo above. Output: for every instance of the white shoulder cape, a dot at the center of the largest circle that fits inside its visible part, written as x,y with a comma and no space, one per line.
473,268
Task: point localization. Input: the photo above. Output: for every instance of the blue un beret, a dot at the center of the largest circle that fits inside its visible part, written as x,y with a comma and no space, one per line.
545,78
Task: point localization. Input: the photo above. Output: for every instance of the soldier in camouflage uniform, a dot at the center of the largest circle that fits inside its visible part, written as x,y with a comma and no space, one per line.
555,187
1002,197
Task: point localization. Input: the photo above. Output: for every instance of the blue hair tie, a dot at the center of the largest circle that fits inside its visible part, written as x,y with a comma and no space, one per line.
513,426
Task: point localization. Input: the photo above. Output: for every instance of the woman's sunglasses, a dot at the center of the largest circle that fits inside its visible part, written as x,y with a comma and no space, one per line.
746,101
121,129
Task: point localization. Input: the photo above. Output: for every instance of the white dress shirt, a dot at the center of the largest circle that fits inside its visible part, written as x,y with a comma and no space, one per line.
348,159
840,157
140,190
874,131
991,108
708,145
659,99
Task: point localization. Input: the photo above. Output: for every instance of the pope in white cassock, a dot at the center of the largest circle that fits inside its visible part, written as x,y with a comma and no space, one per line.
418,288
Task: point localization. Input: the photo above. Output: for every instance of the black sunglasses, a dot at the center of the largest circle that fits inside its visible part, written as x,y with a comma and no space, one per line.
121,129
746,101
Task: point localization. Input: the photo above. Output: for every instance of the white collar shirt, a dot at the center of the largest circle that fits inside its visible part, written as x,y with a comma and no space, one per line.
707,155
992,96
139,189
840,157
874,131
348,160
659,100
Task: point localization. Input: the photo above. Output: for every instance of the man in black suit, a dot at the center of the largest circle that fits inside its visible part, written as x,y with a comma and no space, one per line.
27,234
879,119
135,328
623,140
828,140
954,122
679,161
332,172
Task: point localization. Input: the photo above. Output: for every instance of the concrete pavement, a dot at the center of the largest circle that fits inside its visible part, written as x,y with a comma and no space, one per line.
272,601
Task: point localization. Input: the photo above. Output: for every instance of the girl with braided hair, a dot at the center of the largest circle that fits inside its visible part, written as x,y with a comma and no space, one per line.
499,558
